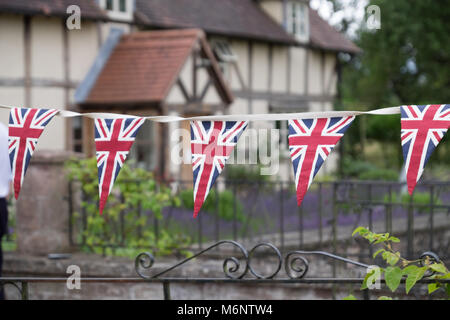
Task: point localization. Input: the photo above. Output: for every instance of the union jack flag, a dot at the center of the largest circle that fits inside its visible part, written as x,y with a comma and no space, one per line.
113,141
25,128
422,129
211,145
310,143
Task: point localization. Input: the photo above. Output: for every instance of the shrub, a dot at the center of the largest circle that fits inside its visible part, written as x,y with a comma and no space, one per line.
245,173
366,171
420,199
134,189
225,202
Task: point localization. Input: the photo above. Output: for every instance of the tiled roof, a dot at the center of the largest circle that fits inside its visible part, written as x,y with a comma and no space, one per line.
89,8
145,65
323,36
240,18
232,18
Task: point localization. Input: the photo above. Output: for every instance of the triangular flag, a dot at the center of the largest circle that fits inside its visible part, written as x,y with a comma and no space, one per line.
113,141
211,145
310,143
25,127
422,129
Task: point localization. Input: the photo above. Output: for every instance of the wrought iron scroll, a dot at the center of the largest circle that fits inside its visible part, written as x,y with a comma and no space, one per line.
296,264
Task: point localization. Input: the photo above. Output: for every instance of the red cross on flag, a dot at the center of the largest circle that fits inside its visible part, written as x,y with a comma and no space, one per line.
113,141
25,128
423,127
310,143
211,145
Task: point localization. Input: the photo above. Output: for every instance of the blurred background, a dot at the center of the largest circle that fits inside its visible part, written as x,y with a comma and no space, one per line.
210,57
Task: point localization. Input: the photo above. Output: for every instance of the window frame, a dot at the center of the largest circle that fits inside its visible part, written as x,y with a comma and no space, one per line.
297,18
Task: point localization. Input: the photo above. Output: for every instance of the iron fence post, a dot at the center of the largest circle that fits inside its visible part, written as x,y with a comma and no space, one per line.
281,216
70,204
24,290
388,221
334,233
166,289
234,213
320,214
410,248
431,245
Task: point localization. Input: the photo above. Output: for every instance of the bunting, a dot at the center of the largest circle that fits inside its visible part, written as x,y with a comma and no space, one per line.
25,128
310,143
211,145
312,137
422,129
113,141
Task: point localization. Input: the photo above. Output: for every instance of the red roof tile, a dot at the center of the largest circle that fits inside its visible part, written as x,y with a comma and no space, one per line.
235,18
323,36
144,66
239,18
89,8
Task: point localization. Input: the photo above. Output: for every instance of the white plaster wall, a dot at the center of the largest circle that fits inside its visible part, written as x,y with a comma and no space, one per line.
175,95
83,46
330,73
10,96
240,49
12,48
279,81
260,69
54,136
274,9
298,70
239,106
47,48
212,96
315,84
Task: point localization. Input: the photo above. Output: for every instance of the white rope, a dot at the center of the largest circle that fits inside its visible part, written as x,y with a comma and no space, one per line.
231,117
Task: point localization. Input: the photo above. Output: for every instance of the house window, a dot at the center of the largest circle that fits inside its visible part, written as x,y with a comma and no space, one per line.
297,22
223,51
122,5
110,5
77,131
119,9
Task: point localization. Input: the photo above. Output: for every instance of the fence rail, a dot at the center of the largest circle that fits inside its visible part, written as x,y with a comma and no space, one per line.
252,212
238,269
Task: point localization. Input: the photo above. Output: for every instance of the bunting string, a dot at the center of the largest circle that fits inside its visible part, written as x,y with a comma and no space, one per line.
312,137
229,117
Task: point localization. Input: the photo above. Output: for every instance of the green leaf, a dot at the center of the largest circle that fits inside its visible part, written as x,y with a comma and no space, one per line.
393,276
438,267
350,297
391,258
378,252
414,276
384,298
394,239
360,230
432,287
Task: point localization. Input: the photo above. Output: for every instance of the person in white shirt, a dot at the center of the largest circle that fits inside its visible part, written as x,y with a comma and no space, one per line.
5,181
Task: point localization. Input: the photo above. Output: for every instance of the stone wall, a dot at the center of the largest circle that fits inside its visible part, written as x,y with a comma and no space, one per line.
42,207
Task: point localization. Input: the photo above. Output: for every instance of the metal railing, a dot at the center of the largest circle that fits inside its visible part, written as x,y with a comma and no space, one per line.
251,212
238,268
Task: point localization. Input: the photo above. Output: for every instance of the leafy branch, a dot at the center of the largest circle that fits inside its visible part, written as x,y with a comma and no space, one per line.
399,267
